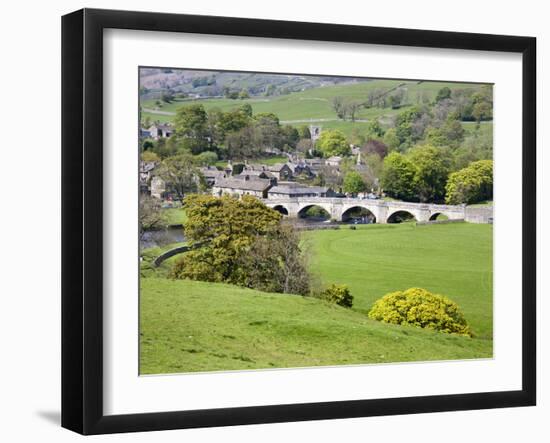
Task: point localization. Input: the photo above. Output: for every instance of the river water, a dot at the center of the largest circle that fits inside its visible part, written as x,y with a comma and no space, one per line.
151,239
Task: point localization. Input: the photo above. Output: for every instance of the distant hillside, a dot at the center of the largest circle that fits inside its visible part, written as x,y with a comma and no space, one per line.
313,105
212,83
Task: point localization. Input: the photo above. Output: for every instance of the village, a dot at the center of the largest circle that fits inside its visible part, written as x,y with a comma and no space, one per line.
290,179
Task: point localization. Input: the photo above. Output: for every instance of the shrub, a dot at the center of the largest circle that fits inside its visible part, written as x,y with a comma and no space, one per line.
418,307
338,294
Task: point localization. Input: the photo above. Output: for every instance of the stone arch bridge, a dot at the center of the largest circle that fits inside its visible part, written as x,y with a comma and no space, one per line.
382,211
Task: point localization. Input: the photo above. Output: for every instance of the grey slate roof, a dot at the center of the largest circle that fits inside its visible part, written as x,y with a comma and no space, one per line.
240,182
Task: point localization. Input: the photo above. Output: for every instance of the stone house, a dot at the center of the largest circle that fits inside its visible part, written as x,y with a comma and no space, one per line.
294,191
280,171
242,185
211,174
301,169
158,187
259,174
161,130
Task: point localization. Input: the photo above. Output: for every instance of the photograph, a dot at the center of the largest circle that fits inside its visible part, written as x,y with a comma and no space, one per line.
292,220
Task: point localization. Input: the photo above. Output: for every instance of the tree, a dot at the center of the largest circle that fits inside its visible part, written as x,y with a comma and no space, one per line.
375,147
354,183
351,109
431,171
471,184
481,111
391,139
151,216
226,228
304,146
304,132
333,142
443,94
374,129
191,125
398,176
167,96
243,94
244,144
148,156
338,106
276,262
246,109
181,175
206,158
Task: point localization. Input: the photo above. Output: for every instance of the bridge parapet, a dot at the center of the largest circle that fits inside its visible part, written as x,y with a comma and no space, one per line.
381,209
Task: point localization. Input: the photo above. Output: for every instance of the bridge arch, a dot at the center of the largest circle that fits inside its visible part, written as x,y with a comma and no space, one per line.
358,212
281,208
321,212
439,216
400,216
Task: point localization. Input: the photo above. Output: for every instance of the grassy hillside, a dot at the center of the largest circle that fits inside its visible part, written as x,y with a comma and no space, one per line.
313,104
196,326
452,259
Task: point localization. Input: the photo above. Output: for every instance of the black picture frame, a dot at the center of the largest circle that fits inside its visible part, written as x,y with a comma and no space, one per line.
82,218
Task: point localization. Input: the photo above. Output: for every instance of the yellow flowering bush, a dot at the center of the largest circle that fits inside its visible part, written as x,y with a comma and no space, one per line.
418,307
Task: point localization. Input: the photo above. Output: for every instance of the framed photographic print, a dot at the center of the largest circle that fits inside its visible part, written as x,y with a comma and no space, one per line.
270,221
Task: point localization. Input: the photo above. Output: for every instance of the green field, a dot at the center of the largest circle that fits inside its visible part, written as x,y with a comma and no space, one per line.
195,326
311,104
264,161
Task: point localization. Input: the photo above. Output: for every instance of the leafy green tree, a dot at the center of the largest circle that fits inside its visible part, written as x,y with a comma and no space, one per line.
391,139
276,262
303,132
243,94
191,125
451,134
289,136
354,183
431,171
374,129
151,215
244,144
226,228
397,178
471,184
443,94
206,158
410,124
167,96
149,156
246,109
333,142
181,175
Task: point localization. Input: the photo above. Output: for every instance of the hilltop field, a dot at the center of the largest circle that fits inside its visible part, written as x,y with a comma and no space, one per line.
189,326
313,106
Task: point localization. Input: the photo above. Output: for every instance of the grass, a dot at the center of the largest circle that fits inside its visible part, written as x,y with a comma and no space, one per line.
195,326
191,326
312,104
175,216
450,259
